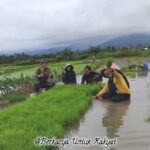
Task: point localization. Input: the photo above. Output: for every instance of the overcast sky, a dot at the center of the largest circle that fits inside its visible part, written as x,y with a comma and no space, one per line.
34,24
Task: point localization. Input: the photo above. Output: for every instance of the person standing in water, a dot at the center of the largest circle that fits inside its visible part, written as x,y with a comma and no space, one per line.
69,75
117,89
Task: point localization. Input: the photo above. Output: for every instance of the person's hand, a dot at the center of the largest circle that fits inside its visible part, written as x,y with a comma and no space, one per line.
93,97
96,97
51,76
41,75
96,76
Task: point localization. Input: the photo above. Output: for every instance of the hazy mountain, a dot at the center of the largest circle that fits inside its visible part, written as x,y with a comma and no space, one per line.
128,40
82,44
122,41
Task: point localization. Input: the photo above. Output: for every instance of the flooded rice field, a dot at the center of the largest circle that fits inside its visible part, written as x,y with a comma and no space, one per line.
128,121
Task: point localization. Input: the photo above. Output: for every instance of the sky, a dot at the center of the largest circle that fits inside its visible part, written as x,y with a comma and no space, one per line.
36,24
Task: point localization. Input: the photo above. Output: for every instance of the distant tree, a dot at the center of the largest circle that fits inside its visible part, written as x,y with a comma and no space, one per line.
67,53
94,50
108,48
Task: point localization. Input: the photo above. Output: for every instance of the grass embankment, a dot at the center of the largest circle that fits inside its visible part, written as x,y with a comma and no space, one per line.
44,115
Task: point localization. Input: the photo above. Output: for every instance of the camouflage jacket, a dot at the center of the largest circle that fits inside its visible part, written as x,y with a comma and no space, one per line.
46,72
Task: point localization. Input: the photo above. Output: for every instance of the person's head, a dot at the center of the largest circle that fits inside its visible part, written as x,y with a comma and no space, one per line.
107,73
68,67
44,63
87,70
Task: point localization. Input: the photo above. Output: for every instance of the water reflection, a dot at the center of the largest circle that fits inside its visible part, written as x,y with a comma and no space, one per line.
147,119
129,122
139,74
113,118
142,74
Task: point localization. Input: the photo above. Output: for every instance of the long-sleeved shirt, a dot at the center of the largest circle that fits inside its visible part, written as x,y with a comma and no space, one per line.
69,77
46,72
120,83
92,77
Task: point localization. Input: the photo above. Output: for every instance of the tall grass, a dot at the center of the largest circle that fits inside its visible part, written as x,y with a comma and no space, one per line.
44,115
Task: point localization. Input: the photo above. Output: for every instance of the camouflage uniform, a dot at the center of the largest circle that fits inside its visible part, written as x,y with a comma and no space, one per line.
42,82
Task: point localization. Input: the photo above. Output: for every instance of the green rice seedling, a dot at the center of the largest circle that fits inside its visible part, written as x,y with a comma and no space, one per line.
45,115
16,96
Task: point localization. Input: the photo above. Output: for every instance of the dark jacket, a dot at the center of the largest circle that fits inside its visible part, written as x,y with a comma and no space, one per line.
91,78
69,77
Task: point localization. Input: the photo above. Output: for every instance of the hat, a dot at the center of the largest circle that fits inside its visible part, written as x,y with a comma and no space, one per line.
115,66
69,65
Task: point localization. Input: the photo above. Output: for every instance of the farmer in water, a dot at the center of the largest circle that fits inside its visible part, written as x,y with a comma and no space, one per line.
117,88
43,74
90,76
69,75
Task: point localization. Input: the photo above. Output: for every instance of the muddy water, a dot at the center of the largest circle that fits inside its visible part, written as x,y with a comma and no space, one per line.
4,105
127,121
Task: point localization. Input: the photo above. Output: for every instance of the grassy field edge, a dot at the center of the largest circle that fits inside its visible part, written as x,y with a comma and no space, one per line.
45,115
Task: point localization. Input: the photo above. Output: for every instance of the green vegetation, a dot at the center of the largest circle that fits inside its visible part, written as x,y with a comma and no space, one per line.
130,74
58,60
16,89
132,68
15,96
16,71
23,80
47,114
67,54
14,68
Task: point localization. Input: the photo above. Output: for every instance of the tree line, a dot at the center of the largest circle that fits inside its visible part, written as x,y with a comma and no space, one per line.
68,54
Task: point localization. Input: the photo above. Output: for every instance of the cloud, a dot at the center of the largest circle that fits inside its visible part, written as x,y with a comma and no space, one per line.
46,23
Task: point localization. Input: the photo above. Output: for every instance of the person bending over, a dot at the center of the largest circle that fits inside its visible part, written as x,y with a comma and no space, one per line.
90,76
117,89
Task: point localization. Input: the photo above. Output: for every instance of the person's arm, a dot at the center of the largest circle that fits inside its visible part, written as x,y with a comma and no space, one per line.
97,77
83,79
45,74
100,77
74,78
103,91
117,75
38,73
120,78
64,77
51,75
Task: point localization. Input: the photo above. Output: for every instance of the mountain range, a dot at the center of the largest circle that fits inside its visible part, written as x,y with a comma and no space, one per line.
82,44
121,41
128,40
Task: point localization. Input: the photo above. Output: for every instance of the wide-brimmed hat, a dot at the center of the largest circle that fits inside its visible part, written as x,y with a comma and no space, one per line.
68,65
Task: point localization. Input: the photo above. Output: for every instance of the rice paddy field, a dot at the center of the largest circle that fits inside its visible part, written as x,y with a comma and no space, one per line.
53,114
57,68
47,114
